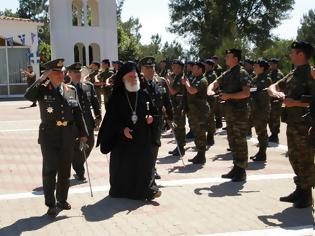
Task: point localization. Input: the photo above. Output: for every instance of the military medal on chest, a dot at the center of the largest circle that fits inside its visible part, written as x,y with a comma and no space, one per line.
50,110
134,117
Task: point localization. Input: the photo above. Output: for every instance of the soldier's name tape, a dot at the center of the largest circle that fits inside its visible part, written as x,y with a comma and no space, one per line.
169,183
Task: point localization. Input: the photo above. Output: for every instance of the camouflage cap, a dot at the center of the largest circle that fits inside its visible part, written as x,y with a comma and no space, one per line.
147,61
56,65
75,67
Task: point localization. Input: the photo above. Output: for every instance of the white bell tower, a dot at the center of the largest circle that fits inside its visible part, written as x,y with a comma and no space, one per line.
83,30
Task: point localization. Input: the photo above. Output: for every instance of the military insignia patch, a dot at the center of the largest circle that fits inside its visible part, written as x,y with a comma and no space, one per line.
50,110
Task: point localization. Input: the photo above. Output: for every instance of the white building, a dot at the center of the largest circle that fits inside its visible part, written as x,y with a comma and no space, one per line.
15,58
83,30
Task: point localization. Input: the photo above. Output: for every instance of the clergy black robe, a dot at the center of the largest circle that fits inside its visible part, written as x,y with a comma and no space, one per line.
131,160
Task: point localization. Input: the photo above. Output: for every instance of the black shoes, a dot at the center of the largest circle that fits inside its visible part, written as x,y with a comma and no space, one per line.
171,152
273,138
33,105
63,205
237,174
300,198
304,199
200,158
218,123
190,135
80,177
177,154
260,156
210,139
157,176
53,212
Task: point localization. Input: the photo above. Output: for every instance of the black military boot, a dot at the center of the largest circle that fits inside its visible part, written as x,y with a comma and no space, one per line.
293,197
260,155
230,174
64,205
176,152
53,211
190,135
239,175
273,138
304,199
200,158
218,123
210,139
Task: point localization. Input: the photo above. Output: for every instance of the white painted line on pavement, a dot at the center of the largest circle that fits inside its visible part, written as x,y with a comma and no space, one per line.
291,231
279,146
169,183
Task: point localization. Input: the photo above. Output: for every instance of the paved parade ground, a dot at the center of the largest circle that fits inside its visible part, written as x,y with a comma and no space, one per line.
194,201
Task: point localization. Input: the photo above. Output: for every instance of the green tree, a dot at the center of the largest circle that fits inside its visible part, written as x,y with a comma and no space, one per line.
307,30
8,12
209,23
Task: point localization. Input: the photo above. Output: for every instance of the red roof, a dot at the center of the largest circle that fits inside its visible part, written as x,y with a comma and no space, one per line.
19,19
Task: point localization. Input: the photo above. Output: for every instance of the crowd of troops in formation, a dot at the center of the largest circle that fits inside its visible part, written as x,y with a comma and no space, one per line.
248,93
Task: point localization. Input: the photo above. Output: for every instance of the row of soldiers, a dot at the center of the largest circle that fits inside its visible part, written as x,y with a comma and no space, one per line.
198,92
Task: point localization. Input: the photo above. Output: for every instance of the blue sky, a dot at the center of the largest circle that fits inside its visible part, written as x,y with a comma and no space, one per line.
154,17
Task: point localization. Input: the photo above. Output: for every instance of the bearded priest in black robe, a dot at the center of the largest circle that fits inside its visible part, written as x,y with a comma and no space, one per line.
125,133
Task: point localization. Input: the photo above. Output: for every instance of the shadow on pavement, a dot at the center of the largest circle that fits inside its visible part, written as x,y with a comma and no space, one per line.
29,224
223,189
223,157
256,165
191,168
108,207
290,217
167,160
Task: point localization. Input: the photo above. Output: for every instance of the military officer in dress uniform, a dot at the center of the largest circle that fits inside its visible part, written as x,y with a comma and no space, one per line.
61,117
159,99
87,98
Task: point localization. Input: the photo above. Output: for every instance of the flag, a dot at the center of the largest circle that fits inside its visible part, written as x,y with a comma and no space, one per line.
33,37
10,41
33,58
22,38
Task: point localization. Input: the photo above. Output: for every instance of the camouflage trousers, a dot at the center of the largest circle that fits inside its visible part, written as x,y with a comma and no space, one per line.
199,128
260,121
237,127
179,130
274,118
301,155
211,117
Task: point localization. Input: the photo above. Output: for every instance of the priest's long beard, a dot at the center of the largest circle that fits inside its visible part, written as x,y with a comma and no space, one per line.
132,88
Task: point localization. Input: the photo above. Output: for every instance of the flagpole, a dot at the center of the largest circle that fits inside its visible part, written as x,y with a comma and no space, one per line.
7,62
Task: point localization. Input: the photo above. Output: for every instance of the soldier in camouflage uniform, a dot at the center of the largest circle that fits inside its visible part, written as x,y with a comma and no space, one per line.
177,92
276,104
162,68
293,89
219,108
211,76
235,91
249,67
104,74
198,110
261,106
189,76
